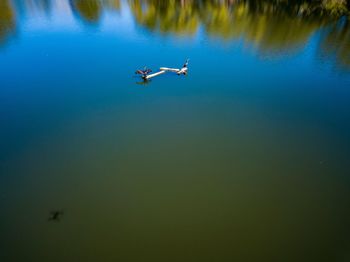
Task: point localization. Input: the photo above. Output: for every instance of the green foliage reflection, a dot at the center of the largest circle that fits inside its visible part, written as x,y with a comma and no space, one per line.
7,20
90,10
271,26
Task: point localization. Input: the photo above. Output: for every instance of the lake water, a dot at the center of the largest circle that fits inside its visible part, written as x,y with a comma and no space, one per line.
246,158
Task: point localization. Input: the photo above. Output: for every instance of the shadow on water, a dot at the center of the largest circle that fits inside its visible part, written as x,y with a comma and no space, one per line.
143,83
55,216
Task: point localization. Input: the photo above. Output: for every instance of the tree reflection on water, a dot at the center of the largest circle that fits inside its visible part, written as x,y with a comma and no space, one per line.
336,42
7,20
270,26
90,10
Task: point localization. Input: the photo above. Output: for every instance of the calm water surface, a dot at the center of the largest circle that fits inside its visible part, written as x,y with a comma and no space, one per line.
245,159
